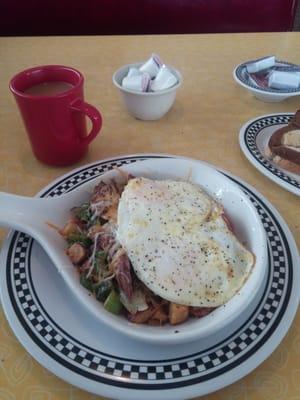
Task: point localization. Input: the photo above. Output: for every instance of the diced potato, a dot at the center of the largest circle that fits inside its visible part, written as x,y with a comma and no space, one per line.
94,230
77,253
111,212
70,228
160,316
178,313
141,317
153,322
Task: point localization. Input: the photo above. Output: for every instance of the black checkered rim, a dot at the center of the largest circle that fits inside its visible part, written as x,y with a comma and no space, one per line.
145,374
242,74
250,138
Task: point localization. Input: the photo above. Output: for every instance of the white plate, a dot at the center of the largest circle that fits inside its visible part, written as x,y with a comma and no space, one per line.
56,330
254,137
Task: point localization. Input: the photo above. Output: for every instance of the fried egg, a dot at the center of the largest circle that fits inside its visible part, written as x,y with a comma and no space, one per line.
179,243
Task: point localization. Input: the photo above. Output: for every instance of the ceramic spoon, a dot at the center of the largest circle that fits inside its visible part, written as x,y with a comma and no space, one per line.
34,216
37,217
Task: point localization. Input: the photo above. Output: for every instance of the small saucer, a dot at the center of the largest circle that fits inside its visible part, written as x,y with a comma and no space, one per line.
261,92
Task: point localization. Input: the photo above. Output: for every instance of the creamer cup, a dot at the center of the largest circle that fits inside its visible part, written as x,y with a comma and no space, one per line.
163,80
152,65
139,83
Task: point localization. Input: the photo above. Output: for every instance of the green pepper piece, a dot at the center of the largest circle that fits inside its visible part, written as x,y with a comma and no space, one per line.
82,212
103,290
79,238
87,283
113,303
100,259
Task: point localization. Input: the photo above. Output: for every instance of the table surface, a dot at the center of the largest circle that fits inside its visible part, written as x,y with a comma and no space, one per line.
203,123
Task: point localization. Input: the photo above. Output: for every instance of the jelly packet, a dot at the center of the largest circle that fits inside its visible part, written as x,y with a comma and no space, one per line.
267,72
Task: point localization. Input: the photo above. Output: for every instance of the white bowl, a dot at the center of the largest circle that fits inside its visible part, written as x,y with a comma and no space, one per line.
146,105
269,95
31,215
248,228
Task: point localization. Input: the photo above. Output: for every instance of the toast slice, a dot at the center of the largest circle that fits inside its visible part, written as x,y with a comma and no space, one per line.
284,146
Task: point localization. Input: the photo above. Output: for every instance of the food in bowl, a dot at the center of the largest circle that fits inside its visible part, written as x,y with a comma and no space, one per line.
158,251
284,146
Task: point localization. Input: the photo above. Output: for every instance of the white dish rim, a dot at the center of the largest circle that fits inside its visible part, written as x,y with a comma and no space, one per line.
263,168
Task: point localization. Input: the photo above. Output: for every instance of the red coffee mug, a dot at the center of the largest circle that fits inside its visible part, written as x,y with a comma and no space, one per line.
55,123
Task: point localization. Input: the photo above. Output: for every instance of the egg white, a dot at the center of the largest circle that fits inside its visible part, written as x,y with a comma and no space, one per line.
179,244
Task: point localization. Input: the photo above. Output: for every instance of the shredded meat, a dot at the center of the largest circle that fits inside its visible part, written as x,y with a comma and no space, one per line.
122,269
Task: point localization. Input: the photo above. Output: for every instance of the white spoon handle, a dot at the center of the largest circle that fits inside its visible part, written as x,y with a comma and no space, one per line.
27,214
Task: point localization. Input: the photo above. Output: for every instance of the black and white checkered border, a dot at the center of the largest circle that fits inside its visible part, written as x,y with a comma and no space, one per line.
96,363
250,137
243,76
86,175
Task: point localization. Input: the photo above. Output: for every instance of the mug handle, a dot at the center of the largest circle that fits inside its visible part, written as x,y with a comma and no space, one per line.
93,114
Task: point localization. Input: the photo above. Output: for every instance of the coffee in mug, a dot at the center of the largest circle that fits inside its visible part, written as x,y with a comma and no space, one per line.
51,102
48,88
